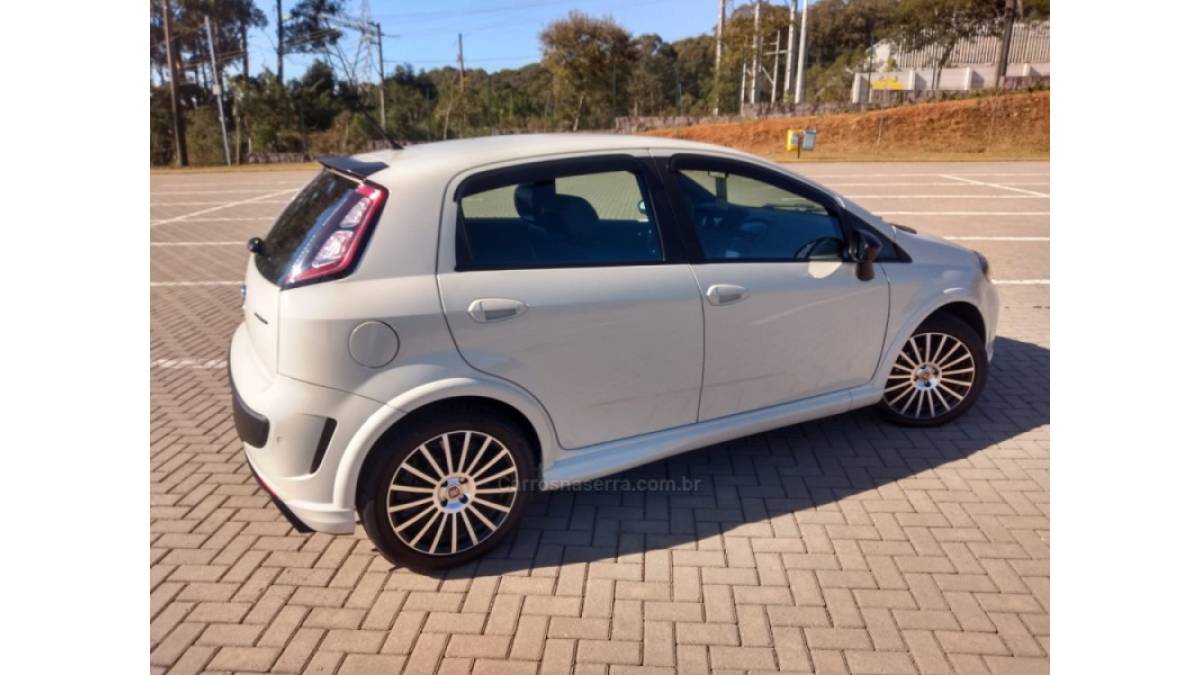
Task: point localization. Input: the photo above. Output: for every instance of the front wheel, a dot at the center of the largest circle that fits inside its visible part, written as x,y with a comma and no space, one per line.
448,491
937,376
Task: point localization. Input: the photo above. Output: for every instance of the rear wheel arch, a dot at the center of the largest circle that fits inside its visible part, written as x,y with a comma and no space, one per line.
481,405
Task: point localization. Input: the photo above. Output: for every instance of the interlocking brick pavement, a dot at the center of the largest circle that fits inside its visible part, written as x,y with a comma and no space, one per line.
843,545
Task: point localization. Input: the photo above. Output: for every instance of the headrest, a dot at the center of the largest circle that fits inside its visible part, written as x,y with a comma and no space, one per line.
577,214
532,199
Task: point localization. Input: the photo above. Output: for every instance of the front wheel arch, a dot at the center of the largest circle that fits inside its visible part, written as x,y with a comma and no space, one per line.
965,312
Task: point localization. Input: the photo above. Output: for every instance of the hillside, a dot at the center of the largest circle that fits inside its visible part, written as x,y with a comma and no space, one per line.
1010,126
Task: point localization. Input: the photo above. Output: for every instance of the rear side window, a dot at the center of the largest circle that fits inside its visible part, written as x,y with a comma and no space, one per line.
306,216
548,220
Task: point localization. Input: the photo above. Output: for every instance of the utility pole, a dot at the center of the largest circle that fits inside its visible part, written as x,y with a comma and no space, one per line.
217,88
742,92
279,37
775,68
382,98
717,67
1010,17
462,74
462,79
756,49
787,71
800,58
173,66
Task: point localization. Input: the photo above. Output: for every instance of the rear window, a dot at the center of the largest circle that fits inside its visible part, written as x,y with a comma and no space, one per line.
301,221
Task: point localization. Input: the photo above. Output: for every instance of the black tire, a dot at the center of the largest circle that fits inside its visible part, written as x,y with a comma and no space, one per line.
941,391
379,494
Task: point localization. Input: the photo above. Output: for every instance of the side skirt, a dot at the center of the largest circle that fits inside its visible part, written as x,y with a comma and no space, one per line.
608,458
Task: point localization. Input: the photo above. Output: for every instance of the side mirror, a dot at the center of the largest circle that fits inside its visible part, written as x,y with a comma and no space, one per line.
864,248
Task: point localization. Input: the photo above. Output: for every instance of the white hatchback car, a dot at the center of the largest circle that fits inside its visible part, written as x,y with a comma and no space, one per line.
432,333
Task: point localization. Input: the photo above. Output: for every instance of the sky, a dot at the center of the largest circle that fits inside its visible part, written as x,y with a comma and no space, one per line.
497,34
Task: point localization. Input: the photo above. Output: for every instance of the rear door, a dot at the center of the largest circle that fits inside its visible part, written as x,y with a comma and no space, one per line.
567,277
785,315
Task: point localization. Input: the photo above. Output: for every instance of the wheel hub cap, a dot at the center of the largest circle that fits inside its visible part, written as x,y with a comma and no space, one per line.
926,376
452,492
932,375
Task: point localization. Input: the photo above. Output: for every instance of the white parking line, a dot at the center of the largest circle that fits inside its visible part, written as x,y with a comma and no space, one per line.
925,184
996,185
222,206
197,243
238,219
984,238
820,176
261,201
947,197
210,192
172,364
169,284
1021,282
961,213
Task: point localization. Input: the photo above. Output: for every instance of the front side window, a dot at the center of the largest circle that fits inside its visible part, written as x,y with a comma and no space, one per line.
549,220
741,218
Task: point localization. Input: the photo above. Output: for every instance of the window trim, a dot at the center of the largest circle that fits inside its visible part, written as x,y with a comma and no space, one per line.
671,166
664,217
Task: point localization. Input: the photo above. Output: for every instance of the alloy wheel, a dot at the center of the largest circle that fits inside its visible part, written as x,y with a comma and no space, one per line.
932,376
452,492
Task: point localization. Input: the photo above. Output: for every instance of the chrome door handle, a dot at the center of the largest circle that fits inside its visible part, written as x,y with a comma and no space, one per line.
483,310
725,294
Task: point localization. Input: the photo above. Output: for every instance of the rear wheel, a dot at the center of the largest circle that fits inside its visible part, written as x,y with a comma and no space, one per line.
449,489
937,376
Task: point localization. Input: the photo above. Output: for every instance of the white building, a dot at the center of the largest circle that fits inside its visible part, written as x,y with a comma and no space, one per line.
972,63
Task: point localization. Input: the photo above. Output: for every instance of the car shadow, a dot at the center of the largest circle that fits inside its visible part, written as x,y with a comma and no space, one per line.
755,483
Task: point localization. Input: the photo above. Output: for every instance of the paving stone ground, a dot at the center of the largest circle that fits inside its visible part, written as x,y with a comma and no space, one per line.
844,545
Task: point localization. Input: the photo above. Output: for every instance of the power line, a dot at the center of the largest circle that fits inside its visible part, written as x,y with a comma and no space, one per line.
451,59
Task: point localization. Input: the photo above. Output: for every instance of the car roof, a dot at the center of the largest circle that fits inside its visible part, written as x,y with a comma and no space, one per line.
452,157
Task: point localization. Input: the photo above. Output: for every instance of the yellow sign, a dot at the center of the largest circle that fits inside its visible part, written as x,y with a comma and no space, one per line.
887,83
793,138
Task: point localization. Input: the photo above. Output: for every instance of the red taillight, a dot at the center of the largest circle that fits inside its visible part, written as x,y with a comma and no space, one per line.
338,242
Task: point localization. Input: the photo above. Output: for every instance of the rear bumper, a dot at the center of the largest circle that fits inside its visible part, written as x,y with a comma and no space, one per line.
291,446
287,512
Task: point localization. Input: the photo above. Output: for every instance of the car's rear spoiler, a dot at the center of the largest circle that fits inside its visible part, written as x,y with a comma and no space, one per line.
355,168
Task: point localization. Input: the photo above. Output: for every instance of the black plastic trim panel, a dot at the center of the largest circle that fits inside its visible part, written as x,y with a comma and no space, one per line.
252,427
323,443
350,166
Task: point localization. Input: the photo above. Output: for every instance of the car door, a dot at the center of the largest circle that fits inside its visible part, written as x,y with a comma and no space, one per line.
568,278
785,315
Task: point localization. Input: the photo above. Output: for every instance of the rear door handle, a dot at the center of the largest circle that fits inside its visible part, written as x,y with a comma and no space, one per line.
484,310
725,294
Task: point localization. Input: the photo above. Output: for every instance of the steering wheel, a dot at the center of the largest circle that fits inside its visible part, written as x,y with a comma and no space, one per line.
805,252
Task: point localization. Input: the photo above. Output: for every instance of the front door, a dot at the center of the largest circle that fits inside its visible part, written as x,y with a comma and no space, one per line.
785,316
565,284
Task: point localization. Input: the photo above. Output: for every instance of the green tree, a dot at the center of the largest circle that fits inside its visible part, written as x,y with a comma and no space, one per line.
308,30
317,97
694,60
654,82
589,57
